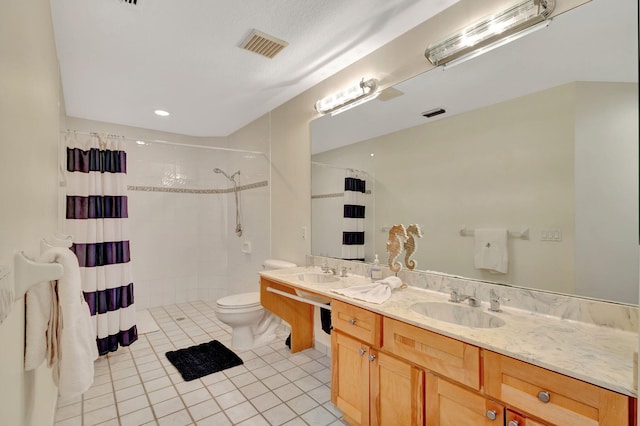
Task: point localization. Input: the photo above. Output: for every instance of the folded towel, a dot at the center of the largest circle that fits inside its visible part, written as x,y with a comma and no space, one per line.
490,250
377,292
77,350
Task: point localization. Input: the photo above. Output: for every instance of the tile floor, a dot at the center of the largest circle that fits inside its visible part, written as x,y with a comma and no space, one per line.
138,386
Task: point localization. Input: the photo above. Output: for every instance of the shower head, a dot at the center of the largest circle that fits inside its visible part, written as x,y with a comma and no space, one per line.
231,178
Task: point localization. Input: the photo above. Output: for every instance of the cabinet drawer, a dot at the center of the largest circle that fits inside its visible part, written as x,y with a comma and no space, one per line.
357,322
450,404
443,355
569,402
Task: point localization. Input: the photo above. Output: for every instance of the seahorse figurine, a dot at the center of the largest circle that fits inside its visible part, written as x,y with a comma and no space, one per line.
413,232
397,237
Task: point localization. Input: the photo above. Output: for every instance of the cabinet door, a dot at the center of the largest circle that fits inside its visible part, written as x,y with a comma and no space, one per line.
350,377
397,392
448,404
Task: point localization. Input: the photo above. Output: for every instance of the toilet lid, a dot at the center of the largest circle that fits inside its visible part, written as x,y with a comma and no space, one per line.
242,300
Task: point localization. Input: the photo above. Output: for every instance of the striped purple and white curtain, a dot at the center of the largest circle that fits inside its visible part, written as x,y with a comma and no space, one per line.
96,218
353,217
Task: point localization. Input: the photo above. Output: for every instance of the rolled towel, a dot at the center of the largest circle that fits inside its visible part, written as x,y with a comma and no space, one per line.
377,292
392,282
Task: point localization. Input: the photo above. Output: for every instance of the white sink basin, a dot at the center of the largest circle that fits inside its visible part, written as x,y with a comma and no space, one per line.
457,314
318,278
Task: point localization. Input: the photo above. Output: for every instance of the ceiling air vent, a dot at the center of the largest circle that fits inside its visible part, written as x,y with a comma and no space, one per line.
433,112
263,44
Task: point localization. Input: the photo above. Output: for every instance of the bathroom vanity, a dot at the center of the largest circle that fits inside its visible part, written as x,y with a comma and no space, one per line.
395,364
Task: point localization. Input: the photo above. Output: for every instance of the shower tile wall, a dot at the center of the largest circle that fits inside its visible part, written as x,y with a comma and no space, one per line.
183,247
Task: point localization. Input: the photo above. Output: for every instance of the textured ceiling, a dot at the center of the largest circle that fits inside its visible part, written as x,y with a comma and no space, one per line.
120,62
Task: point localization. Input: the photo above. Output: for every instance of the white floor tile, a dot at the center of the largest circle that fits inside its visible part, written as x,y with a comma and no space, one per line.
181,418
133,404
241,412
204,409
272,387
279,414
167,407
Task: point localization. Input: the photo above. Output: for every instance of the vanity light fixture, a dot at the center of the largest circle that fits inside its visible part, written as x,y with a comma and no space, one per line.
519,19
161,113
348,98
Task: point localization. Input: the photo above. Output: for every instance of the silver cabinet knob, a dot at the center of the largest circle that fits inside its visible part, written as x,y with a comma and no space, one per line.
513,423
371,357
544,396
362,351
352,321
492,414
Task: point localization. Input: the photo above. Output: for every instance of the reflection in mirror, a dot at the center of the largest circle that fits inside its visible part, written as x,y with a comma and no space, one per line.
411,246
540,134
397,238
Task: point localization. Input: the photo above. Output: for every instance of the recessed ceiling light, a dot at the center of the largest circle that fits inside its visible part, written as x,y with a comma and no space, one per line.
161,113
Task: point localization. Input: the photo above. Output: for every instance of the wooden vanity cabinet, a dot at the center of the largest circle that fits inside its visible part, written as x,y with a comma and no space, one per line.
298,314
553,397
387,372
369,386
451,404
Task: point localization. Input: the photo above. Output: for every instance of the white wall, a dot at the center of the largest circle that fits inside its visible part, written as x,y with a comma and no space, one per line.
606,176
29,126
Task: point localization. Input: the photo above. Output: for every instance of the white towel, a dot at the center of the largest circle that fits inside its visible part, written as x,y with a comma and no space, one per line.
490,250
77,348
377,292
39,302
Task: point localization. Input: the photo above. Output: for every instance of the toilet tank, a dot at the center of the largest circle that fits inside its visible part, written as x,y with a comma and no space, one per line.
277,264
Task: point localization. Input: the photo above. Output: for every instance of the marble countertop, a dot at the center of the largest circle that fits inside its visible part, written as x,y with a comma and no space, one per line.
599,355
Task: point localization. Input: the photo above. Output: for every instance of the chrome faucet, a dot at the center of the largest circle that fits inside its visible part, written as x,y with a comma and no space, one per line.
327,270
456,297
494,301
343,272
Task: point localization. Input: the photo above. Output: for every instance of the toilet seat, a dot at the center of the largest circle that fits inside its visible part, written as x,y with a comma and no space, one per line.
240,301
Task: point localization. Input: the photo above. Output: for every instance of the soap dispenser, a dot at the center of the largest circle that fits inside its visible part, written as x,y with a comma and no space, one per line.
376,271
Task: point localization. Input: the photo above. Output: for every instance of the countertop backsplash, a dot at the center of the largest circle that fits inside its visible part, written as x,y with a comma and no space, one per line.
572,308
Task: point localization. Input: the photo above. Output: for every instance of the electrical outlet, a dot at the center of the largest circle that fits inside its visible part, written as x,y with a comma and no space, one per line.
303,233
551,234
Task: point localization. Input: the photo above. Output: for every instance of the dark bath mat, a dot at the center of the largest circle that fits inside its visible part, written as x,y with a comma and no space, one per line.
203,359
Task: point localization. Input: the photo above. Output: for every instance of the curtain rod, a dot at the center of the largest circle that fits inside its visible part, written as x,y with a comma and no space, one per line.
338,167
128,139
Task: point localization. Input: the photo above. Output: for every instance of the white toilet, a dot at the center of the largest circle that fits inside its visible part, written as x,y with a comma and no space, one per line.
251,324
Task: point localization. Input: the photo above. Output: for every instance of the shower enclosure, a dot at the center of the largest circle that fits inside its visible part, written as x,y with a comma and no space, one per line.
232,178
189,225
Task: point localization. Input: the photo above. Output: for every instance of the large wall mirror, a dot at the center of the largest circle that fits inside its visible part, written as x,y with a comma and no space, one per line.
540,134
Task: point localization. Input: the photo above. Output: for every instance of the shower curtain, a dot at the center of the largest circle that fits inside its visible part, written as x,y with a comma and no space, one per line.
96,218
353,217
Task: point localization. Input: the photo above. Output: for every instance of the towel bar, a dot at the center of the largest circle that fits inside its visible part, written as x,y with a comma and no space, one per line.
28,272
523,235
298,298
